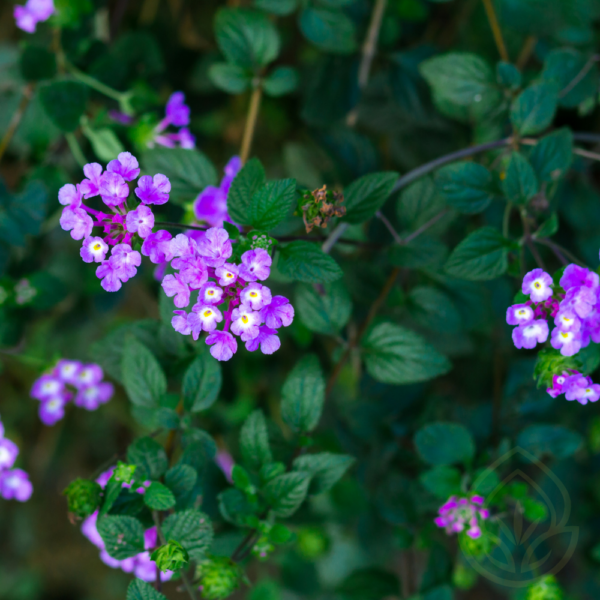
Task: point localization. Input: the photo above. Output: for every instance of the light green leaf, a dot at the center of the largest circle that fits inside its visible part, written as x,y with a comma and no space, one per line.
520,183
105,143
246,183
534,108
271,204
201,383
444,443
326,469
254,441
467,186
303,261
192,529
123,536
143,377
324,311
365,196
285,493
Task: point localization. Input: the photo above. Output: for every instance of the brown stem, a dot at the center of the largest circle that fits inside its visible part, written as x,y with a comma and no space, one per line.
16,119
526,52
529,241
251,123
497,33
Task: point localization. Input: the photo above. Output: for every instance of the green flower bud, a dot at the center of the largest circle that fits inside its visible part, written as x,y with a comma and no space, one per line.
258,239
312,543
124,472
170,557
83,497
545,588
262,548
219,577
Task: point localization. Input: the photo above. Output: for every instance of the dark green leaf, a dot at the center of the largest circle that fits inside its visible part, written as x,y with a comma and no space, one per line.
303,261
285,493
433,309
123,537
423,251
534,108
365,196
551,157
64,102
159,497
508,76
254,441
246,183
419,203
281,81
192,529
324,310
111,493
519,183
444,443
556,440
442,481
271,204
235,507
370,583
140,590
326,469
329,29
37,63
201,383
150,458
230,78
467,186
143,377
277,7
180,479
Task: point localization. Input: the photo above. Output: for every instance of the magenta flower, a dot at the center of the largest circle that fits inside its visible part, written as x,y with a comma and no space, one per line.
89,375
90,187
279,312
126,165
34,12
157,247
109,278
94,249
215,247
575,276
153,190
186,139
528,336
267,339
113,189
210,293
47,386
568,342
15,485
223,344
193,271
519,314
8,454
256,264
245,322
125,261
204,318
558,382
256,296
458,514
580,388
70,195
140,221
567,320
52,410
178,114
67,370
536,284
180,322
581,300
173,285
227,274
93,396
77,221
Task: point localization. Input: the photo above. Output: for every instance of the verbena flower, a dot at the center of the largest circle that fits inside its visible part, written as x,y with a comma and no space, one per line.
14,483
528,336
177,114
34,12
536,284
462,514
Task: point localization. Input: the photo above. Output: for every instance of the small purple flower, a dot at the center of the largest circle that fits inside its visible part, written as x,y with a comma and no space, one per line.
35,11
568,342
193,271
8,454
107,273
456,515
126,165
125,261
153,190
256,264
580,388
204,318
223,345
536,284
567,320
94,249
47,386
215,247
113,189
173,285
245,322
227,274
93,396
91,374
180,322
519,314
52,410
279,312
581,299
77,221
182,246
575,276
186,139
157,247
558,382
178,113
140,221
15,485
267,339
256,296
67,370
90,530
90,187
527,336
70,195
210,293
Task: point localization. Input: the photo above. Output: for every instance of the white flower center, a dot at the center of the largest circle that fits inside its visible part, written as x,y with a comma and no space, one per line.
4,455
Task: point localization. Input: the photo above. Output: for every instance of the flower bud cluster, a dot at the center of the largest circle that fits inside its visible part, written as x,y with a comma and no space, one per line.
462,514
14,483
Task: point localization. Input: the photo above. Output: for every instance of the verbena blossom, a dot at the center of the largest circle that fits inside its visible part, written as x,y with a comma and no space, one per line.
140,565
14,483
211,205
229,298
462,514
177,114
87,389
34,11
575,386
123,225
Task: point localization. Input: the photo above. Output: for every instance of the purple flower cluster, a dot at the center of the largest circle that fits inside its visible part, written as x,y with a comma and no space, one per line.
89,390
121,225
177,114
211,205
248,309
140,565
14,483
459,513
575,386
34,11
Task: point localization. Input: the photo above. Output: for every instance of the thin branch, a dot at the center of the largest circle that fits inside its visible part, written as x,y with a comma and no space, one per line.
529,241
526,52
424,227
583,136
334,236
389,226
497,33
506,219
95,84
76,149
253,110
16,119
558,248
582,73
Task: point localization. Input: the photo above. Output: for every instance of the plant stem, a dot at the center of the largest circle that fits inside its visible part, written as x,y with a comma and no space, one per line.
526,51
493,20
76,149
253,110
506,219
424,227
556,248
16,119
334,237
95,84
389,226
188,585
529,240
582,73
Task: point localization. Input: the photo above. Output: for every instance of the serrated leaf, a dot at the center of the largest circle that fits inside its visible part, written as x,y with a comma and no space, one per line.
140,590
519,183
481,256
324,310
143,377
158,496
150,458
180,479
254,441
303,395
271,204
398,356
285,493
304,261
551,157
534,108
365,196
201,383
246,183
466,186
192,529
123,536
325,468
444,443
64,102
419,203
111,493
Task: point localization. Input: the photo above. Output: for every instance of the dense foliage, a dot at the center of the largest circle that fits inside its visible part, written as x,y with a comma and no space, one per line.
322,276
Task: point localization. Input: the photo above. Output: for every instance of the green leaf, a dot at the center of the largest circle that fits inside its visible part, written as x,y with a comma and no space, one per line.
481,256
508,76
556,440
254,441
467,186
271,204
326,469
330,30
280,81
534,511
399,356
444,443
181,479
277,7
192,529
143,377
111,493
419,203
423,251
140,590
64,102
105,143
520,183
285,493
433,309
150,458
442,481
235,507
230,78
37,63
365,196
69,13
189,171
370,583
304,261
123,536
551,157
324,310
246,183
201,383
303,395
534,108
246,37
159,497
